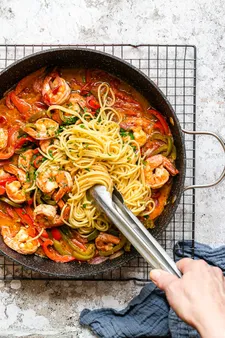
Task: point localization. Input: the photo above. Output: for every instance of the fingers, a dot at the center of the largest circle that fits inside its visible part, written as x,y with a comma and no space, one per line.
185,265
162,279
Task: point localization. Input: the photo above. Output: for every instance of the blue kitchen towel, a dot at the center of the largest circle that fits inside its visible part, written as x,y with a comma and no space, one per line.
149,314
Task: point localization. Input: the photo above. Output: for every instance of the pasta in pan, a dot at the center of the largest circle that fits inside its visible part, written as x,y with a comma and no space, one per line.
82,134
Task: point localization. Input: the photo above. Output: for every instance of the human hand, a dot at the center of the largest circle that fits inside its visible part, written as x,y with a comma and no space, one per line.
198,297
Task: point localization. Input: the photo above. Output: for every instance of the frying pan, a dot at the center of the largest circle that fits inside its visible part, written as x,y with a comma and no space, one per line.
85,58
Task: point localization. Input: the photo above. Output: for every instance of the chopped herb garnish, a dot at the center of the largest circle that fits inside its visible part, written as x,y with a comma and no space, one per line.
146,216
70,120
88,169
134,148
84,206
131,135
129,158
86,146
23,157
144,162
82,126
98,110
123,132
85,109
50,153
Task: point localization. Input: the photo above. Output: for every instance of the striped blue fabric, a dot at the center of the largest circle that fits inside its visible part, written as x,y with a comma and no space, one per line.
149,314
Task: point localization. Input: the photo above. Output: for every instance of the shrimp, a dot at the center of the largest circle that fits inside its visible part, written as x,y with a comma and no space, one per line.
19,173
42,129
21,242
77,99
51,179
161,201
45,216
105,241
139,126
55,90
24,160
3,138
46,181
65,183
158,170
15,192
44,144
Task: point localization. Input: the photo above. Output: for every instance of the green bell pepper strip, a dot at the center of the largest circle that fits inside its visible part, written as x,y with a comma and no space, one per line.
173,154
158,136
75,248
58,246
114,249
169,146
92,235
160,150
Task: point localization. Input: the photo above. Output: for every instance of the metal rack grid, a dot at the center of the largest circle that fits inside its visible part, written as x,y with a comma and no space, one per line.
173,69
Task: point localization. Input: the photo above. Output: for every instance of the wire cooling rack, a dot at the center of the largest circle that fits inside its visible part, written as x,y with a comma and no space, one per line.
173,69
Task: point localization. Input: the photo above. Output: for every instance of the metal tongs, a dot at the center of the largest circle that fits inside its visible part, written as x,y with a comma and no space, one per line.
133,229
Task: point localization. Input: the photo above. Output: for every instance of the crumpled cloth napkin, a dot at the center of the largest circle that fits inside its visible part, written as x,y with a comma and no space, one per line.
149,314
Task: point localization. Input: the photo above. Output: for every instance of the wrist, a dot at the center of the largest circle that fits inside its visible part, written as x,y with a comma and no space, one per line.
213,328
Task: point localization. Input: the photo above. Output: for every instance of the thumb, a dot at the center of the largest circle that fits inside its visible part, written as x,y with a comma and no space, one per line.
161,278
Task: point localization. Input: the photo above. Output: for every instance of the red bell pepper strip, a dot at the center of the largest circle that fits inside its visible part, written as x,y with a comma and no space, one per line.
92,102
3,215
12,134
79,244
159,126
3,121
22,106
8,101
53,255
2,190
161,119
11,212
7,180
38,161
23,140
24,216
56,234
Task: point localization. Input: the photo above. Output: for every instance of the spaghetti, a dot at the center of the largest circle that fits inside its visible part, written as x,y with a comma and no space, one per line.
94,152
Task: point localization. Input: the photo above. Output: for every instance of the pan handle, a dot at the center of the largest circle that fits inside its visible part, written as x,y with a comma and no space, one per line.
221,141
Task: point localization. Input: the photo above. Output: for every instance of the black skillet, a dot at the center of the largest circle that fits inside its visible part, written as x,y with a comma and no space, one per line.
85,58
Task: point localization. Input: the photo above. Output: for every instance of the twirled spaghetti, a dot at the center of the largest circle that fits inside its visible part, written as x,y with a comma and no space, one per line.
94,152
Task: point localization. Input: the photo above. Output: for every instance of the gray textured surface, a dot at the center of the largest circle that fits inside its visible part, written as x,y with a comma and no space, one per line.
41,309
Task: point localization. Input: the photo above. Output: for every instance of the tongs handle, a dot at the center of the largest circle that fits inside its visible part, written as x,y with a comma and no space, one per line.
133,230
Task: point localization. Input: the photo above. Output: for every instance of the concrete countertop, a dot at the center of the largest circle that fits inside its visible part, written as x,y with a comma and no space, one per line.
51,309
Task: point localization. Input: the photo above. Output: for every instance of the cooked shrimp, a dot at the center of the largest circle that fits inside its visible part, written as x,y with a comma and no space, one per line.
19,173
65,183
158,170
21,242
24,160
45,216
3,138
105,241
42,129
50,179
55,90
77,99
139,126
3,174
161,201
46,180
44,144
15,192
